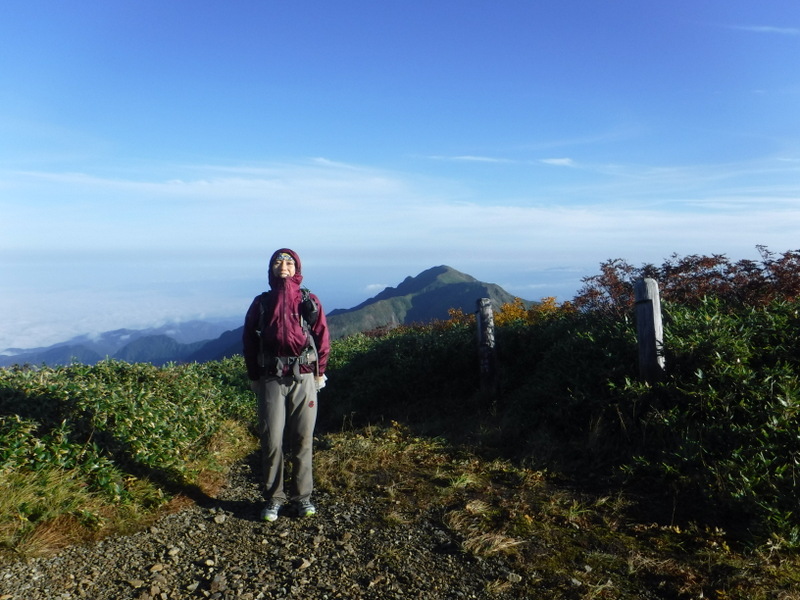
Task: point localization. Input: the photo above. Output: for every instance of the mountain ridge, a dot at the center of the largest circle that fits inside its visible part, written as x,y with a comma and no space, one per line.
419,284
426,297
423,298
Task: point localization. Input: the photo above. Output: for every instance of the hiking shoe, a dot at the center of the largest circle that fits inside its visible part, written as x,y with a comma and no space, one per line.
305,509
270,511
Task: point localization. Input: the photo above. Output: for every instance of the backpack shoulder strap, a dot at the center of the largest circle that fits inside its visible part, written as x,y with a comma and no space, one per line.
309,312
309,308
262,310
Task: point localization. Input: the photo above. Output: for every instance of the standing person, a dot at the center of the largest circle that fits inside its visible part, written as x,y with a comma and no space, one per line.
286,346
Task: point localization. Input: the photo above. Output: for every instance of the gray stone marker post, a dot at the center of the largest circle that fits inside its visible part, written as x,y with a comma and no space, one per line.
486,345
649,330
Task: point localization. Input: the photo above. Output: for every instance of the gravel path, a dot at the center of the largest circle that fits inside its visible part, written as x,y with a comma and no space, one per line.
223,551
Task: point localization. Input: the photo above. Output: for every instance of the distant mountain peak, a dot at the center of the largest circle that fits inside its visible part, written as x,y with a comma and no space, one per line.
423,298
430,278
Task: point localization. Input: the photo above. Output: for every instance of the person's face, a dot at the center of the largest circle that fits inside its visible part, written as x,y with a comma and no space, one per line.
283,267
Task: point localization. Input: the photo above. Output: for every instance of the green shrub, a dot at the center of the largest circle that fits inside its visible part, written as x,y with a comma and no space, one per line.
721,433
557,405
425,375
114,416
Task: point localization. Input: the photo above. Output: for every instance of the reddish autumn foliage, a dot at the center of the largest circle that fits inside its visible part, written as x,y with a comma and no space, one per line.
687,280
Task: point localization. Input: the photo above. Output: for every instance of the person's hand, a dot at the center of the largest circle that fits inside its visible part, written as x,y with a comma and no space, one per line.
320,381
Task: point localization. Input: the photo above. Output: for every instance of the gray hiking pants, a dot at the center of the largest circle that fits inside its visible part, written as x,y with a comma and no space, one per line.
287,410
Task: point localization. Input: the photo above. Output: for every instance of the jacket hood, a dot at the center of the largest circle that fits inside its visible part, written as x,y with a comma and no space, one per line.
276,281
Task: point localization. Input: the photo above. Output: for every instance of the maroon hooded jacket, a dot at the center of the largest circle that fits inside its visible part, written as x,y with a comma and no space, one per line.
283,333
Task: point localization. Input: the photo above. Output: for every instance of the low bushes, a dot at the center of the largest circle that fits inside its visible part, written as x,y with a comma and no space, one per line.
721,431
124,433
716,440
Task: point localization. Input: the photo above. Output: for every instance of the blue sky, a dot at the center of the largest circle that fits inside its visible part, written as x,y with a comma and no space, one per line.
154,153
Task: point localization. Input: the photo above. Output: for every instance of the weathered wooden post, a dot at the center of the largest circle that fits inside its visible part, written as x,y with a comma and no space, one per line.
649,330
486,345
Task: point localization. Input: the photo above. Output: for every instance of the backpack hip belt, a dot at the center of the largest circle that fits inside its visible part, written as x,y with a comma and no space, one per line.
276,364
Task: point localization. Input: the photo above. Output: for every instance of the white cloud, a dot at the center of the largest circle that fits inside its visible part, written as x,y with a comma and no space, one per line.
767,29
470,158
558,162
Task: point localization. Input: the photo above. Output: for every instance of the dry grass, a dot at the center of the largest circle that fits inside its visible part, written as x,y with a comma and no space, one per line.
554,540
49,537
486,544
231,443
45,511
